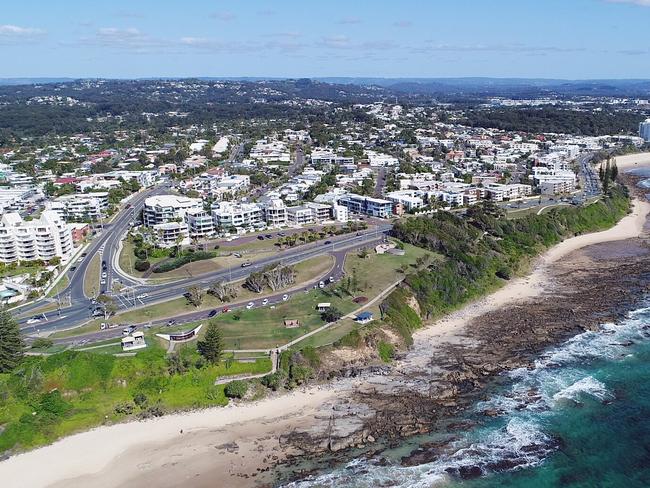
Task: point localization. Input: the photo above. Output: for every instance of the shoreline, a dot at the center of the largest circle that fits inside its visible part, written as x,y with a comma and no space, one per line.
129,450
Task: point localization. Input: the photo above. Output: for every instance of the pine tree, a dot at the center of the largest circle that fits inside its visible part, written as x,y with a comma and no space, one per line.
614,171
601,173
211,346
11,344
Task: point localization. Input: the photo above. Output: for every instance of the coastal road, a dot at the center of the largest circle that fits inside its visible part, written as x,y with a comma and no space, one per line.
336,273
81,309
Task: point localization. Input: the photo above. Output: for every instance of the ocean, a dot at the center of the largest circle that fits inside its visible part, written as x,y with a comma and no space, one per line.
579,418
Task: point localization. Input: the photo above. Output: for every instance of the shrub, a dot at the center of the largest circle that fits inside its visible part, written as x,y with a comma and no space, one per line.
42,343
504,273
142,265
274,381
124,408
236,389
140,399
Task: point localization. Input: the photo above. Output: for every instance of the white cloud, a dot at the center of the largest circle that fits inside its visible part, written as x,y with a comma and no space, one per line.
403,24
127,39
350,21
14,33
224,16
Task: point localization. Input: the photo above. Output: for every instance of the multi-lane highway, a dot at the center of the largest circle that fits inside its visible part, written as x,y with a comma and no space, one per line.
141,294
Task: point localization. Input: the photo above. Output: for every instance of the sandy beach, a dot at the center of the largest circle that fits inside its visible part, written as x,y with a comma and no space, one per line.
246,436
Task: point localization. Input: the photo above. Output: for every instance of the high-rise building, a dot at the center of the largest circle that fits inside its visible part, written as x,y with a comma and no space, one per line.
644,130
43,238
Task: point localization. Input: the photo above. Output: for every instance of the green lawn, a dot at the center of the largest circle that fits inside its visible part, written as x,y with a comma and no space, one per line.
91,278
60,286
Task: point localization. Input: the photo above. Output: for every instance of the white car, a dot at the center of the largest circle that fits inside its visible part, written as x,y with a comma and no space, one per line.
285,298
321,284
250,305
265,301
33,320
141,296
104,275
331,279
103,282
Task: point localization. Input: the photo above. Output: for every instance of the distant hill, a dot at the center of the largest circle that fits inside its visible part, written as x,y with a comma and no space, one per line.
33,81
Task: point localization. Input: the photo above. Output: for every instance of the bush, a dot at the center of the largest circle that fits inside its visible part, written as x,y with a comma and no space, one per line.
124,408
142,265
274,381
140,399
236,389
42,343
504,273
351,339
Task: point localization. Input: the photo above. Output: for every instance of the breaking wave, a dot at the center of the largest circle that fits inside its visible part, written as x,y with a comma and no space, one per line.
514,436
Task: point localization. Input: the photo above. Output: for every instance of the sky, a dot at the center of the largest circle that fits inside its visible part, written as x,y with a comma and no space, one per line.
571,39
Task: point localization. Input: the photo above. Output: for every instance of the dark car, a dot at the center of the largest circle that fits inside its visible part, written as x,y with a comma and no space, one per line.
261,238
213,313
84,254
268,236
327,242
171,322
73,268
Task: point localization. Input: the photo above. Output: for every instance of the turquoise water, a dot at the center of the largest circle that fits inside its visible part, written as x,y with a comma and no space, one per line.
579,418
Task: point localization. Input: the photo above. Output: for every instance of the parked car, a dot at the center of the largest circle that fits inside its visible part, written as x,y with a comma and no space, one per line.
126,332
171,322
103,282
331,279
246,264
265,301
321,284
225,310
236,254
104,275
327,242
250,305
285,297
84,254
261,238
213,313
73,268
268,236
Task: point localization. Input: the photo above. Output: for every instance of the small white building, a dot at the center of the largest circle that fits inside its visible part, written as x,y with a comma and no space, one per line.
134,341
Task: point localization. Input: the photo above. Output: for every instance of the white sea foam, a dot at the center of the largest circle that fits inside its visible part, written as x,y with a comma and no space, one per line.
516,438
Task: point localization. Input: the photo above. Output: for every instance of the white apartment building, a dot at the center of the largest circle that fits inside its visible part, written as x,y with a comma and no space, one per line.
171,234
275,212
644,130
328,158
300,215
410,200
165,208
499,192
199,223
556,187
244,215
80,206
340,213
267,151
43,238
376,159
321,211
